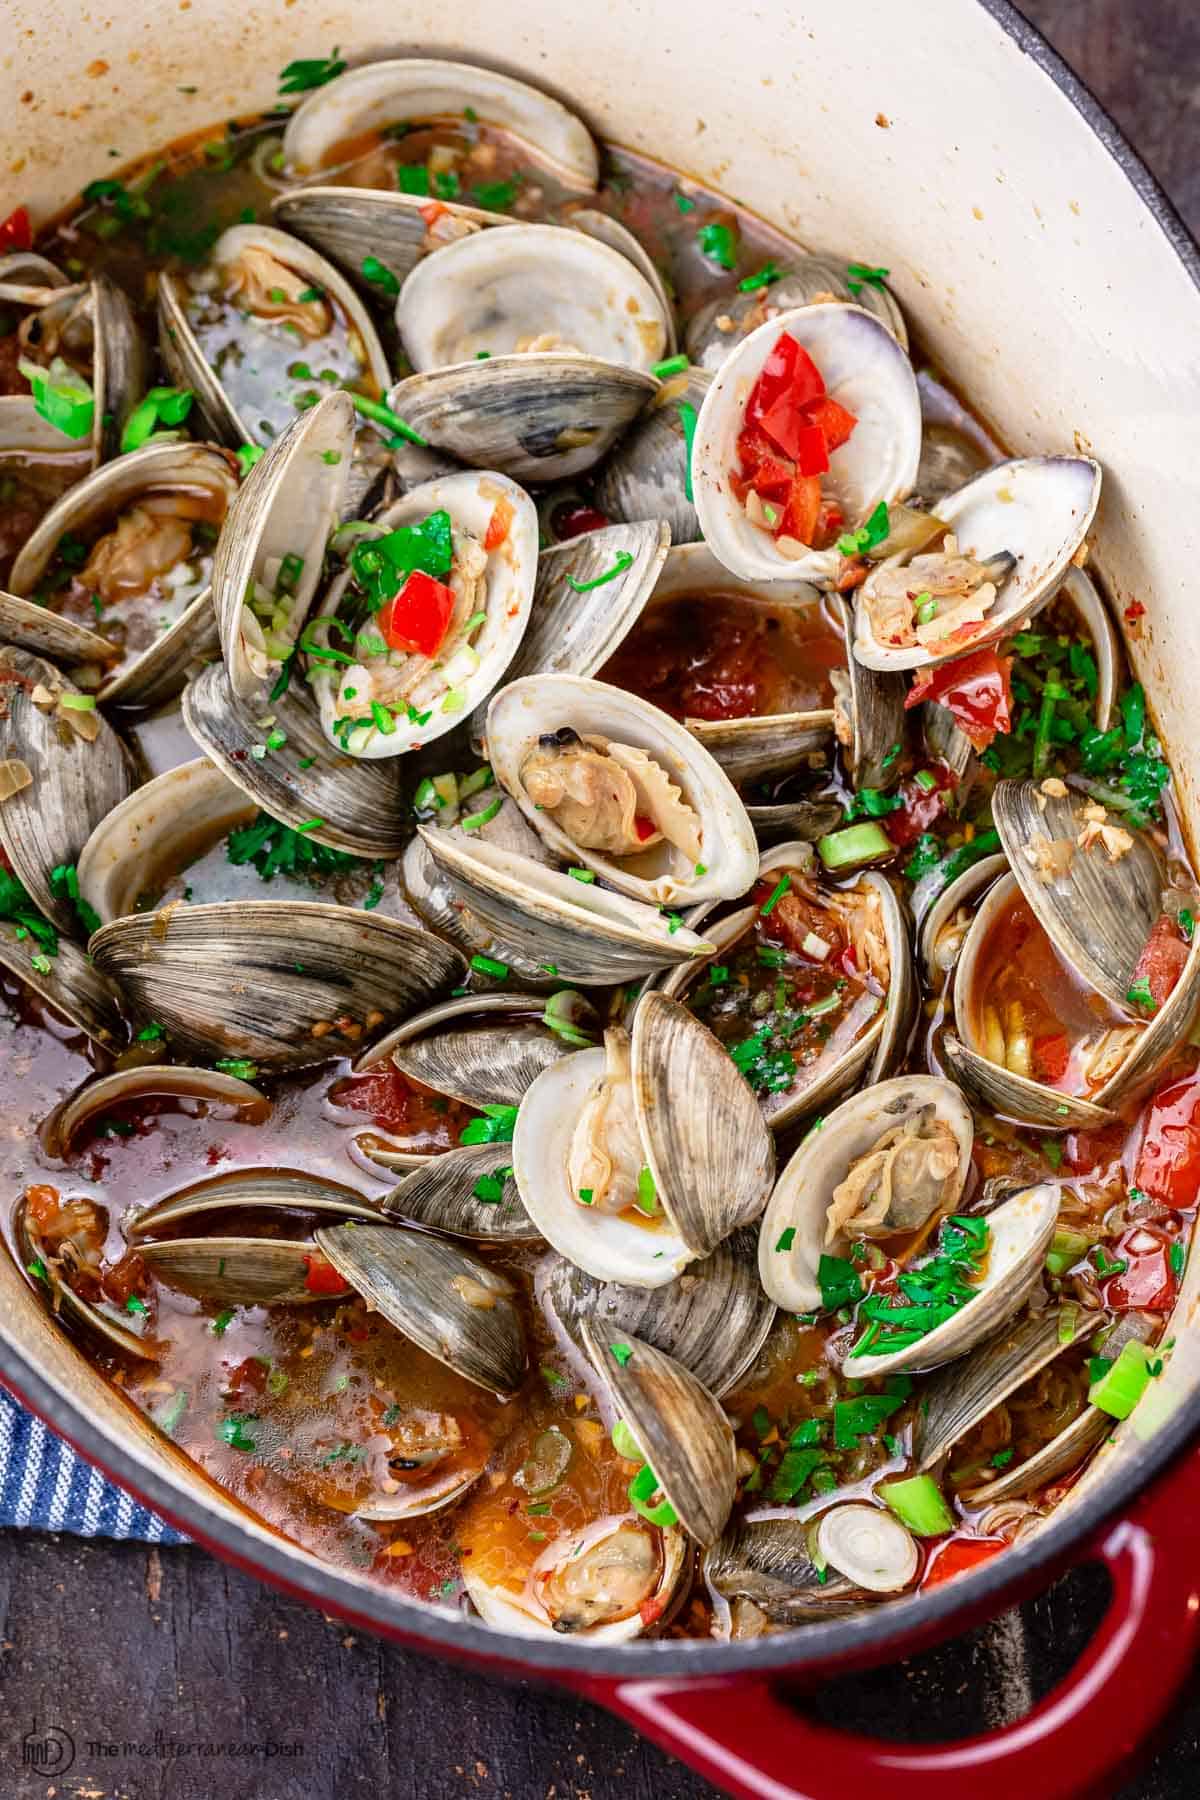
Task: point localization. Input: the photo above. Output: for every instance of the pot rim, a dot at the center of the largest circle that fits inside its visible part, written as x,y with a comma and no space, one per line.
860,1638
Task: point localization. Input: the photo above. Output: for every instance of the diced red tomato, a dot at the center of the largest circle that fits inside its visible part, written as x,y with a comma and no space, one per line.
976,689
419,615
957,1555
247,1377
772,478
499,524
432,213
833,421
652,1609
802,510
16,233
43,1205
320,1275
1147,1281
1096,1152
572,521
790,429
128,1276
789,369
644,827
1161,963
1168,1164
923,806
1050,1057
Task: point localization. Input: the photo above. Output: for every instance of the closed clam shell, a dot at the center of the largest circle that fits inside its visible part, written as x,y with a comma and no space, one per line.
159,671
572,632
1035,508
262,1190
796,1214
287,506
713,1318
768,1560
1021,1229
538,417
864,370
583,931
434,898
646,477
526,710
715,329
79,771
703,1135
234,1271
212,1086
280,983
142,842
442,1196
678,1424
451,1304
68,983
482,1049
358,806
350,224
400,90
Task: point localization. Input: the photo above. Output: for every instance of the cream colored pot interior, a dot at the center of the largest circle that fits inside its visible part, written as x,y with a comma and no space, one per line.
920,136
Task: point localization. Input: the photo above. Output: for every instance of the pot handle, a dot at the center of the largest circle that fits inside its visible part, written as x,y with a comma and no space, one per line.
750,1738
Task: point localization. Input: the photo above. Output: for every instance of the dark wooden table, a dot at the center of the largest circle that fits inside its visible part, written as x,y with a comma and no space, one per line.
106,1639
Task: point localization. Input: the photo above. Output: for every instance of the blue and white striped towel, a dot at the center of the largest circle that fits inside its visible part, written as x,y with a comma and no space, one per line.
45,1486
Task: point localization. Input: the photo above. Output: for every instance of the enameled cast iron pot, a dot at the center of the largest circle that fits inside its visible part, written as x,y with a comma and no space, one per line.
1052,279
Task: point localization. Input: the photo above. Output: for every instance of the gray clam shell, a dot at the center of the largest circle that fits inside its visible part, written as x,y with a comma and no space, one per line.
646,476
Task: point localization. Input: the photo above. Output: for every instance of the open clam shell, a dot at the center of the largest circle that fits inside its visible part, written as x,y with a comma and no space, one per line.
28,626
232,421
403,89
618,237
864,370
456,1308
678,785
67,1302
538,417
196,472
139,844
715,329
350,224
77,768
235,1271
879,1045
797,1212
358,806
1020,1232
68,983
801,818
1019,1096
582,931
678,1425
699,1134
769,1562
578,618
212,1087
430,696
259,1190
438,903
1037,509
534,1610
91,321
648,476
505,291
286,508
714,1318
869,717
465,1193
483,1049
278,983
946,923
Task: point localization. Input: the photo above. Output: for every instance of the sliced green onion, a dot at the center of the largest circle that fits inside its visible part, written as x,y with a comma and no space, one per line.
642,1490
762,278
1122,1384
623,561
379,275
778,891
670,365
383,415
474,821
919,1504
856,844
584,875
487,965
688,416
625,1444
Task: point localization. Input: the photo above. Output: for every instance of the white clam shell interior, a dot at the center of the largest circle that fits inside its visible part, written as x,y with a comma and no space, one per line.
492,291
538,704
470,498
412,88
609,1246
864,370
1038,508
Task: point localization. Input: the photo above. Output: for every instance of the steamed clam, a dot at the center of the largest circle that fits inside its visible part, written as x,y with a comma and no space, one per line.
621,1180
647,475
603,1582
866,377
715,331
84,340
486,1048
533,348
608,781
139,537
